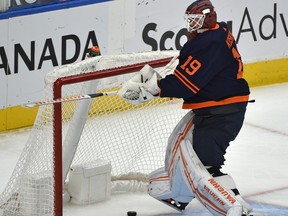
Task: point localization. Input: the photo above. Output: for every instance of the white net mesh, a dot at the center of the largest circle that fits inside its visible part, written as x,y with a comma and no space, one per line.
132,138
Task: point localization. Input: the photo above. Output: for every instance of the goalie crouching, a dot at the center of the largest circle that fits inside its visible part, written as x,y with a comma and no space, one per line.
209,79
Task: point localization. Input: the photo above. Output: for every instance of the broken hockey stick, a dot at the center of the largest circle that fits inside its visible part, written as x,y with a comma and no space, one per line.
164,71
66,99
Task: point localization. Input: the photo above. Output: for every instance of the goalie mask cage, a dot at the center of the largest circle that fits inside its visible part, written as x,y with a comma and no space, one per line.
132,138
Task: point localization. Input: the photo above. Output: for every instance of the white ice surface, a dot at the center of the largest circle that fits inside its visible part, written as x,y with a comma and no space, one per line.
257,159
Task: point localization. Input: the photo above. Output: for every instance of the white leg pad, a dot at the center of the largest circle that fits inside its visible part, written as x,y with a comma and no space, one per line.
227,182
182,163
162,186
159,184
168,182
217,199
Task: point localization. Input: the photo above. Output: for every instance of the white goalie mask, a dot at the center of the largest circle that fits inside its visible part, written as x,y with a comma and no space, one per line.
194,21
200,15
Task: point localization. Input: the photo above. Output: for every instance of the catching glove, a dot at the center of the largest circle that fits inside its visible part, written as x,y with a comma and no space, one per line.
142,87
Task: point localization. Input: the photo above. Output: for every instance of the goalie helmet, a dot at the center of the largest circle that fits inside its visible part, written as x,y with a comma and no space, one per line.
200,15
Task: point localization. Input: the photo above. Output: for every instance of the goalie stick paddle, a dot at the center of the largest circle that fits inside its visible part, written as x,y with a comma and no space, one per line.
66,99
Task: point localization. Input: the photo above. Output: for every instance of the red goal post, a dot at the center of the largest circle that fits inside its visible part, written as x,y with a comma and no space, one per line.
58,114
132,138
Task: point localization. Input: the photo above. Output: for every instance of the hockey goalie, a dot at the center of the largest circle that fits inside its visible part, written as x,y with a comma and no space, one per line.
209,79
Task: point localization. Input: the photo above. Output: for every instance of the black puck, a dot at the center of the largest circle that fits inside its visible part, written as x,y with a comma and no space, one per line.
131,213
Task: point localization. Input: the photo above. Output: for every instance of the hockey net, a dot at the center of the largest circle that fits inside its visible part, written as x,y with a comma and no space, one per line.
132,138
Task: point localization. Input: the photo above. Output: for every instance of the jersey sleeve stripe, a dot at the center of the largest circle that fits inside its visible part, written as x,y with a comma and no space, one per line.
227,101
186,82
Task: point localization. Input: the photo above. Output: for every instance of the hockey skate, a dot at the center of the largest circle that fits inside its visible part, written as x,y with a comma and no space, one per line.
179,206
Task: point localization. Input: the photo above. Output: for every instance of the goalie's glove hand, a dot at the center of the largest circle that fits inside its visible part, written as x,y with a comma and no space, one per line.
142,87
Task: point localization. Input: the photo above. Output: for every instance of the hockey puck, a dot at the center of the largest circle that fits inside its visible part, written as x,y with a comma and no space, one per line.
131,213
